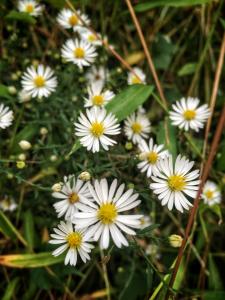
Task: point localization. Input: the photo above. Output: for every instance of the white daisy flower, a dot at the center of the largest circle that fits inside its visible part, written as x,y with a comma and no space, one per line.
97,75
74,194
187,114
145,222
137,127
174,181
211,193
105,219
30,6
72,239
98,97
150,156
140,78
78,52
94,129
88,36
39,81
69,19
6,116
8,204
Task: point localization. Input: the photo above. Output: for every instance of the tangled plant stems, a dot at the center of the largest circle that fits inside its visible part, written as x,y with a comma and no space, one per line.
131,162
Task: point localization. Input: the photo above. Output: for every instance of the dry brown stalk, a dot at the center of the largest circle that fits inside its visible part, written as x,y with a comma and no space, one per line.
193,211
146,51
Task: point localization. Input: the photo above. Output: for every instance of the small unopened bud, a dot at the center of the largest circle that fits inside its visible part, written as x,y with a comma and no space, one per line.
128,146
175,240
53,158
57,187
85,176
20,164
25,145
14,76
23,96
130,185
35,62
12,90
22,157
43,131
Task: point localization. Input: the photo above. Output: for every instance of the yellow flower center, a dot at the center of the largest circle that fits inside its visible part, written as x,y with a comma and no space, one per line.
73,20
136,127
92,38
97,129
29,8
209,194
74,239
152,157
73,198
176,182
189,114
107,213
135,80
79,52
39,81
98,100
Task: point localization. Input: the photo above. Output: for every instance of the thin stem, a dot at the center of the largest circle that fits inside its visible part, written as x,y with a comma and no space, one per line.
105,275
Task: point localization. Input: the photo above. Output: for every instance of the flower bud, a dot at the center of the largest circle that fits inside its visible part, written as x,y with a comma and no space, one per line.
175,240
25,145
43,131
12,90
53,158
23,96
20,164
128,146
85,176
57,187
22,157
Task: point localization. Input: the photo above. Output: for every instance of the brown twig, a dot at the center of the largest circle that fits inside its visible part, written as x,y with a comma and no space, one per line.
214,92
146,51
192,214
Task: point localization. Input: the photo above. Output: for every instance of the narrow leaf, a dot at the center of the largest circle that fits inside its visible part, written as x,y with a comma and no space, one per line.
29,229
30,260
167,136
129,100
187,69
20,16
4,92
10,290
9,230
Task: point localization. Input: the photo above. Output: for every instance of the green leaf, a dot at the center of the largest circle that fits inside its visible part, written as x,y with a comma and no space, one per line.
215,279
216,295
4,92
57,3
180,275
30,260
217,210
29,229
174,3
187,69
9,230
222,22
129,100
167,135
10,290
20,16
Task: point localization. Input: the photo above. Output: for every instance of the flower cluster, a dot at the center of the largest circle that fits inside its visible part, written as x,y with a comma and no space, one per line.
93,212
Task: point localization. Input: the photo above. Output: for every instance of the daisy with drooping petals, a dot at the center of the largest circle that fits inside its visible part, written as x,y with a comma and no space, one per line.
6,116
69,19
73,195
211,193
97,75
90,37
78,52
187,114
173,182
39,81
137,127
94,129
30,6
8,204
98,97
74,240
150,156
105,219
133,79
